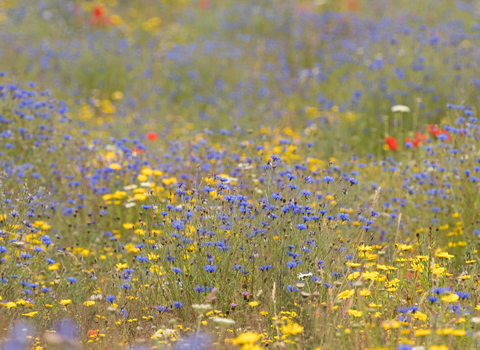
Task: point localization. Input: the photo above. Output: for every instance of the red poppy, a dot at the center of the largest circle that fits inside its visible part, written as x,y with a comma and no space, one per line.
204,4
98,16
352,5
152,136
98,11
391,143
137,151
437,131
414,142
91,333
411,275
434,130
418,138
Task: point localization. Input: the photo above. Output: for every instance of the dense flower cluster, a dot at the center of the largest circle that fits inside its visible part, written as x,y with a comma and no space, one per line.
172,227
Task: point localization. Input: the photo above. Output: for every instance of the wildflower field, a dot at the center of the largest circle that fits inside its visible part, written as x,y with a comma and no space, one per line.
239,174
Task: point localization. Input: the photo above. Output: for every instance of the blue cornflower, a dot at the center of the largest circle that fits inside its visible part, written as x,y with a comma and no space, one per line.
199,289
306,193
276,195
328,179
177,270
291,264
163,308
291,288
274,158
210,268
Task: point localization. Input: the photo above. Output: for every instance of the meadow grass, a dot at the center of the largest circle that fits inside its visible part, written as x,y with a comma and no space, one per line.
202,175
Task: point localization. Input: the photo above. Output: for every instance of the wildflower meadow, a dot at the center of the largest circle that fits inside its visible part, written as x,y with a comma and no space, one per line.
239,174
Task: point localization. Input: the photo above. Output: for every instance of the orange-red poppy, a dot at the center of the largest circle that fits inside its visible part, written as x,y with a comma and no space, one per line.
98,16
391,143
152,136
352,5
418,138
435,131
92,334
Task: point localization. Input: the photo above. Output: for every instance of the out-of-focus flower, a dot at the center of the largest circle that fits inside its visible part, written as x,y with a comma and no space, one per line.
205,4
400,109
246,339
98,16
292,329
19,337
152,136
450,298
223,321
200,341
202,307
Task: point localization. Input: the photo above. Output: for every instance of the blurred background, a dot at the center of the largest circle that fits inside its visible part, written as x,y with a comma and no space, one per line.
324,68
